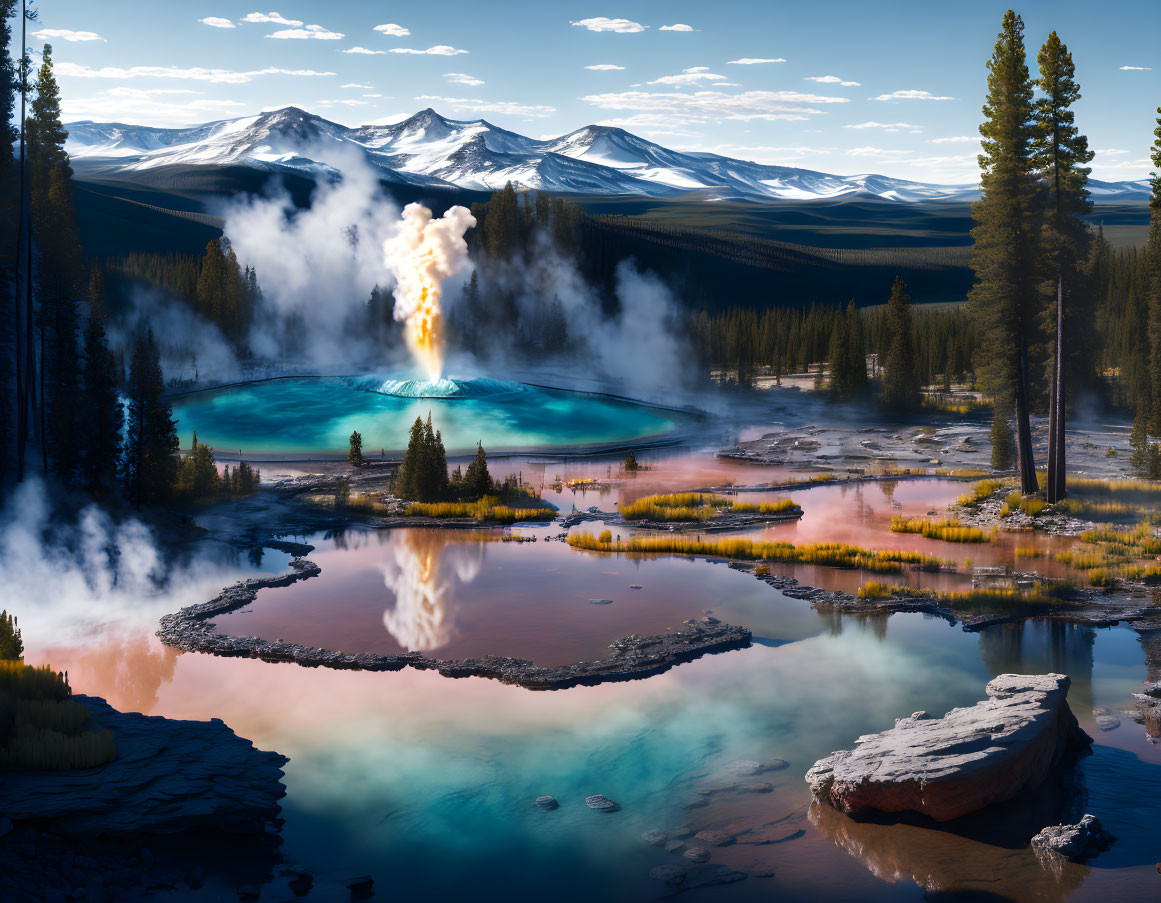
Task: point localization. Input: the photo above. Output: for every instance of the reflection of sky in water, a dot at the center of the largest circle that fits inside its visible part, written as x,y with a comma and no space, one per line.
318,415
427,782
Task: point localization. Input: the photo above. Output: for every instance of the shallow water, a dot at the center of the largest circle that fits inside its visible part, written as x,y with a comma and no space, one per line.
427,783
317,416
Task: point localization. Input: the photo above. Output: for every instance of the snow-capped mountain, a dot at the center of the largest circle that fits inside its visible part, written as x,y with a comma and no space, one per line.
428,149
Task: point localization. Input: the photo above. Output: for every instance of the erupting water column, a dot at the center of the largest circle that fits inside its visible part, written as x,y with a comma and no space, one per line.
421,255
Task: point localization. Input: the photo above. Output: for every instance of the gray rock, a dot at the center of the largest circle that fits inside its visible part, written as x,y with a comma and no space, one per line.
601,803
655,838
169,776
600,601
673,875
696,854
1073,842
1105,719
546,802
715,837
772,834
674,846
950,766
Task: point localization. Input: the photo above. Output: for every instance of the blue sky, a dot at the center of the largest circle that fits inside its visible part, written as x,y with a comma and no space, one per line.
842,87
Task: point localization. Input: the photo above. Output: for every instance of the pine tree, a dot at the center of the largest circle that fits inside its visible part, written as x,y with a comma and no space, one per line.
10,333
101,416
59,273
839,357
355,455
1060,152
152,443
1153,280
900,377
1004,299
477,481
1003,448
1139,439
408,477
11,644
435,479
631,464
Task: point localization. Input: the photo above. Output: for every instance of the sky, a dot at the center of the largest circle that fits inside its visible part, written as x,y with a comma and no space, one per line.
846,86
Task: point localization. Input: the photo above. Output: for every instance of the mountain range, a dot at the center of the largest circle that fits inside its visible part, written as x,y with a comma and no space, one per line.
430,151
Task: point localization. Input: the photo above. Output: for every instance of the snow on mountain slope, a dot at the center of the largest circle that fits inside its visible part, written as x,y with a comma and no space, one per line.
428,149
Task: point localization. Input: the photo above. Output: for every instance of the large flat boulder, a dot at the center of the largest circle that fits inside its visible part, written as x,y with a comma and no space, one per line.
950,766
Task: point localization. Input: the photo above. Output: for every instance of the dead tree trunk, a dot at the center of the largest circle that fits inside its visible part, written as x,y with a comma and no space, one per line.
1026,463
1056,467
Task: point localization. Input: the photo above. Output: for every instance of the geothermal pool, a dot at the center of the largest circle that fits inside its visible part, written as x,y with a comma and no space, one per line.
309,416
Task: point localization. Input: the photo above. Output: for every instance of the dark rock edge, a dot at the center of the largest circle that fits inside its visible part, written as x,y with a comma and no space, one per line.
632,658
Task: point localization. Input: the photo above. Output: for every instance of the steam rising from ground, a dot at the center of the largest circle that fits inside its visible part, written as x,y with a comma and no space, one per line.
423,253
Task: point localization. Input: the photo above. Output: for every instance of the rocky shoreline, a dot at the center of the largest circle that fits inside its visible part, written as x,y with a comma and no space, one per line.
631,658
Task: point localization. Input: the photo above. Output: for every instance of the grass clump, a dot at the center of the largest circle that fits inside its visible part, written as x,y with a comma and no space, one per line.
696,506
980,491
41,728
486,509
946,529
827,554
975,598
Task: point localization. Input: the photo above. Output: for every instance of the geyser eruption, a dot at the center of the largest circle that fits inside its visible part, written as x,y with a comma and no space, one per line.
421,255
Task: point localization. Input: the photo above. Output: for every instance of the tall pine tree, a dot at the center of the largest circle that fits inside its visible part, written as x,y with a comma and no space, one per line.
1153,280
1005,300
151,444
900,376
101,416
59,270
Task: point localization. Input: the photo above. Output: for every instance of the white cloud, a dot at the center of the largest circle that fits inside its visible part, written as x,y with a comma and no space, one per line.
349,103
909,94
356,85
485,106
693,76
831,80
149,106
437,50
878,152
753,61
889,126
362,50
604,67
271,17
373,95
216,22
395,31
704,106
1110,151
676,27
620,26
315,32
955,139
1136,68
222,76
67,34
461,78
653,123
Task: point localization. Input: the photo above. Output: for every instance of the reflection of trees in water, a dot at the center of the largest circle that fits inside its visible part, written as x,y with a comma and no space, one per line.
127,669
415,571
1041,647
834,620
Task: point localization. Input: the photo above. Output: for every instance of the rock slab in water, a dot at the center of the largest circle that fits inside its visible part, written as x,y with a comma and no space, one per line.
1073,842
601,803
950,766
168,776
546,802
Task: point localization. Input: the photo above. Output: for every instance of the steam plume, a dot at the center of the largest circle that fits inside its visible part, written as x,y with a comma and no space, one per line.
421,255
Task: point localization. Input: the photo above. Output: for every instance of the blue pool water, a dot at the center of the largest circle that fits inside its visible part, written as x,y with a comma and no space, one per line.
317,415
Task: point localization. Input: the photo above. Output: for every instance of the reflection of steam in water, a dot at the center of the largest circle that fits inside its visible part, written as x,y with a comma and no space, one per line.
424,616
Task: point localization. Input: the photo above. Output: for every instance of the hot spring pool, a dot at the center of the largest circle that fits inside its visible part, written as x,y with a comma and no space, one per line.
316,415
